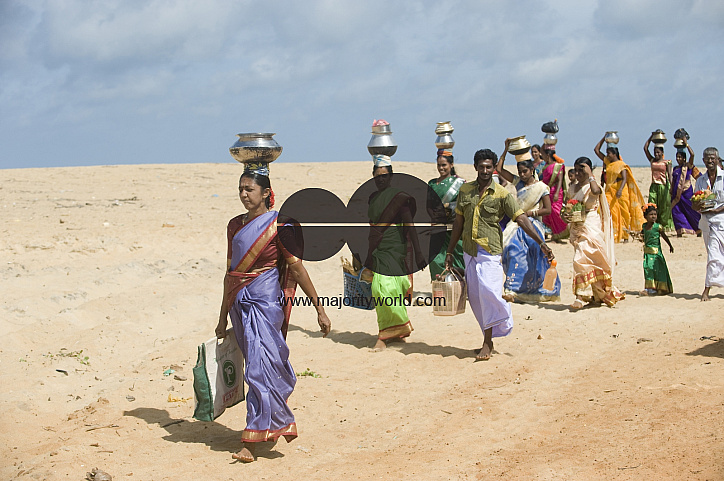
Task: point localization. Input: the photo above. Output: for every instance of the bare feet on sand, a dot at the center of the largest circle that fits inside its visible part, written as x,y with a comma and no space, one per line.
705,294
246,455
485,352
381,345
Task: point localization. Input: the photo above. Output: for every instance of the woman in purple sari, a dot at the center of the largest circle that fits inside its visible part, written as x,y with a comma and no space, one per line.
262,268
686,219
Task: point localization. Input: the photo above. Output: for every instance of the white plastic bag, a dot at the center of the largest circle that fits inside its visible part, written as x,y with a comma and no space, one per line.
218,377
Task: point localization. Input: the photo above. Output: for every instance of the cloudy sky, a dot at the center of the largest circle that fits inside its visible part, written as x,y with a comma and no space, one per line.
172,81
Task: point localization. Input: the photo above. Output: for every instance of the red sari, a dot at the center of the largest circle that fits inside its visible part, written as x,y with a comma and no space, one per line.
550,176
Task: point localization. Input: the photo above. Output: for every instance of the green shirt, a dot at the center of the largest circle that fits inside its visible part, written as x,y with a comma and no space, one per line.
482,214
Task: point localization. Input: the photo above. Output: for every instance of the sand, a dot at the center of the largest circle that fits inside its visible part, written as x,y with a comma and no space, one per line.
112,275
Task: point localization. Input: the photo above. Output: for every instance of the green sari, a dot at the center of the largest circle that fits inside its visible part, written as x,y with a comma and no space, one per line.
447,190
390,252
656,273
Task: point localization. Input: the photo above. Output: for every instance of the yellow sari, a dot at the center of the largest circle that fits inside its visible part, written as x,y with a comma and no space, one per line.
626,213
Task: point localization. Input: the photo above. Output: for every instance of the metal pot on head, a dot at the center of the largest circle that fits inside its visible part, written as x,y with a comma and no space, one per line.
658,136
382,142
519,145
611,137
444,138
255,147
550,139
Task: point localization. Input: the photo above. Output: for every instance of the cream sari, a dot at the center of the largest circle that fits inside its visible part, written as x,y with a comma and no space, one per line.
593,259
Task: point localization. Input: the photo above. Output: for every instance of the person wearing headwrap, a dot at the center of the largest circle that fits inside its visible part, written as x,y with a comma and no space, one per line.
553,176
660,188
446,186
264,266
393,253
622,193
686,219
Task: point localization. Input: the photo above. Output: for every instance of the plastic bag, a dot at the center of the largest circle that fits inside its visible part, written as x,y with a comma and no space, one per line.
218,377
550,127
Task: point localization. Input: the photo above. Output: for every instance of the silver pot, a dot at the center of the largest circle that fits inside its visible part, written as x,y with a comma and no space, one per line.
444,141
611,137
382,142
255,147
550,139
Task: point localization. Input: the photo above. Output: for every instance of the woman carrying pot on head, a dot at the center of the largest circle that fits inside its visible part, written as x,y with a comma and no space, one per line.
660,189
554,173
592,240
686,219
446,186
393,253
623,196
263,266
524,262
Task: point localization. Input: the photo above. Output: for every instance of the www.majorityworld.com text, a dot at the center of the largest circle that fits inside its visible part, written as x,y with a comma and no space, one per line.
368,302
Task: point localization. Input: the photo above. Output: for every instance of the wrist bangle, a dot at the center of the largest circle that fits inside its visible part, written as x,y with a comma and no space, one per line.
448,254
591,179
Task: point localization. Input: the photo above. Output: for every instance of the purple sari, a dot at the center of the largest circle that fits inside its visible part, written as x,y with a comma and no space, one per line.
686,219
259,322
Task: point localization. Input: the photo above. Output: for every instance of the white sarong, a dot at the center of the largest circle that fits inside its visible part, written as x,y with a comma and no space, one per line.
712,230
485,277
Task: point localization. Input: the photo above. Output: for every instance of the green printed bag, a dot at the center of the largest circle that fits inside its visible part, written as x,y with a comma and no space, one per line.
218,377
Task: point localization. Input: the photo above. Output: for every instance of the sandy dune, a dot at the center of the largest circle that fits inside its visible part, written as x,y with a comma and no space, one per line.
113,275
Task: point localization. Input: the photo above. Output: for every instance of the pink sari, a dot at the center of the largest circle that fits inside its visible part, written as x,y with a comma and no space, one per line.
550,177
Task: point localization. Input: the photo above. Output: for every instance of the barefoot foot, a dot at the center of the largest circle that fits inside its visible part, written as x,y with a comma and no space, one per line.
246,455
705,295
379,346
485,352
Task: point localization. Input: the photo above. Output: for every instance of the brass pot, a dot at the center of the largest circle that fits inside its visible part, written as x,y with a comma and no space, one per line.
550,139
658,136
519,145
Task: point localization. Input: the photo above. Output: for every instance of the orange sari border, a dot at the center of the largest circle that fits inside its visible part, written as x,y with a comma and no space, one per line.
253,436
403,330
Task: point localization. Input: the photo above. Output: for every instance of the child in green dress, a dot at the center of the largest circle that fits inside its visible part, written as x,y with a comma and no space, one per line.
656,274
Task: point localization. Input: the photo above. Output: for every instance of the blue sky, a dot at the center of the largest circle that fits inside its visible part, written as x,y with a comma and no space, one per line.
118,82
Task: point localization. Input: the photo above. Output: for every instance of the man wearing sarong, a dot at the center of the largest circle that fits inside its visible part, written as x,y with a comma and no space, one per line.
481,205
712,220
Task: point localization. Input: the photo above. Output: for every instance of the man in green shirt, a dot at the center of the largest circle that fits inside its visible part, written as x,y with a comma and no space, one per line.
480,207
